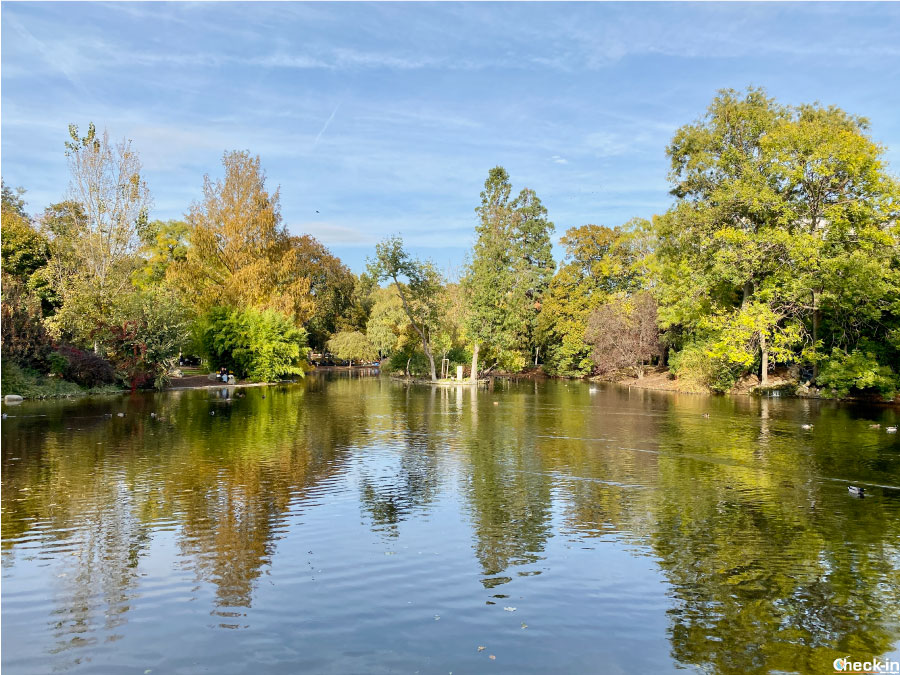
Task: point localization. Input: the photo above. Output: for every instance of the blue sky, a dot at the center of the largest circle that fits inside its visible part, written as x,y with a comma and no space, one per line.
383,118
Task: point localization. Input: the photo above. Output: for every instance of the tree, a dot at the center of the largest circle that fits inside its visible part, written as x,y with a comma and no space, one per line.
351,346
624,334
261,345
331,287
165,243
240,253
784,226
93,249
144,335
599,262
421,294
388,329
508,274
12,201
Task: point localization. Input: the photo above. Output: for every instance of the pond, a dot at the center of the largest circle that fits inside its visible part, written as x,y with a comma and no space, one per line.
359,524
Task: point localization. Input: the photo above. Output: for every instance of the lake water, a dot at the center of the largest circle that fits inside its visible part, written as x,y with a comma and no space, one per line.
360,525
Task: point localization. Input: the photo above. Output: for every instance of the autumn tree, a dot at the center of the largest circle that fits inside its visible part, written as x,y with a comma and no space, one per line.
240,254
599,262
421,294
624,334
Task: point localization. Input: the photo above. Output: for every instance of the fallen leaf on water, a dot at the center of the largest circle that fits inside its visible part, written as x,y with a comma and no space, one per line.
481,649
509,609
524,625
492,657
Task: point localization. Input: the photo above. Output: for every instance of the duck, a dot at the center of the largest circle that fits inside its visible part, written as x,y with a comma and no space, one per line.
874,426
706,415
806,426
891,430
856,491
212,412
153,416
120,414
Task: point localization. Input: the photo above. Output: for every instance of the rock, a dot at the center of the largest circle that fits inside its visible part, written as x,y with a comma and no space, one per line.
211,376
12,399
120,414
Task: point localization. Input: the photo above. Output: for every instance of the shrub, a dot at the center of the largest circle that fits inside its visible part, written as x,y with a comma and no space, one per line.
860,371
24,338
695,365
85,368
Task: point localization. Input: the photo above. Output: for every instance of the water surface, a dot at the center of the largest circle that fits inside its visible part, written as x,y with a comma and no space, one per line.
361,525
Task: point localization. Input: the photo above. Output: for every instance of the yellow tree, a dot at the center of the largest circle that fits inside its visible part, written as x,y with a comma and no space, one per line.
240,253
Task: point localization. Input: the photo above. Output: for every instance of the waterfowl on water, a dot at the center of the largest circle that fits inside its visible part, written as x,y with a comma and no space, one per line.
806,426
857,491
874,426
891,430
706,415
212,412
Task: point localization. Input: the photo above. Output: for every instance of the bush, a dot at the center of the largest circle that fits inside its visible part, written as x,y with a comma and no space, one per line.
259,345
31,384
860,371
698,368
84,368
24,339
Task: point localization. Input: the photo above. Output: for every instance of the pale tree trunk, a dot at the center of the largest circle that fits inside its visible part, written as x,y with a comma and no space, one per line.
537,350
474,373
815,334
764,374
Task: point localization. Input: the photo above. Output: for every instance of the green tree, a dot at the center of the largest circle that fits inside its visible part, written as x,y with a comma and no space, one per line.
351,346
510,270
261,345
783,233
165,243
421,294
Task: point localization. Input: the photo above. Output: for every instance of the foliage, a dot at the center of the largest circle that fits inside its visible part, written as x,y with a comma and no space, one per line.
95,235
783,237
857,371
599,262
260,345
31,384
24,339
508,275
164,243
145,335
12,201
421,295
698,369
623,333
351,346
240,254
83,368
388,329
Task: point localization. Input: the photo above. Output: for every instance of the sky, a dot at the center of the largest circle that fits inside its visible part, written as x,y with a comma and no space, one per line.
384,118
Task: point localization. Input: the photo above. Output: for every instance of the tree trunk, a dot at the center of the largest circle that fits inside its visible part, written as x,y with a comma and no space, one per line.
748,292
430,361
815,334
474,373
537,350
764,371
